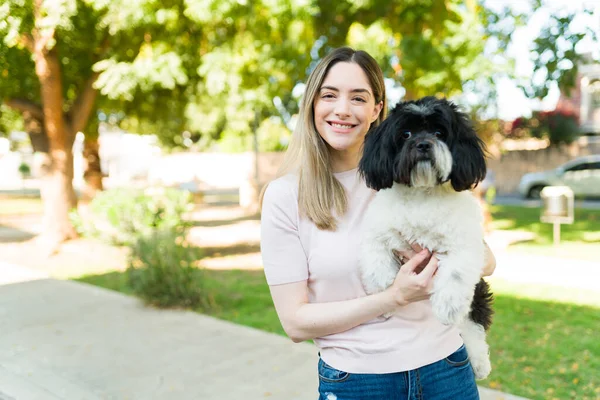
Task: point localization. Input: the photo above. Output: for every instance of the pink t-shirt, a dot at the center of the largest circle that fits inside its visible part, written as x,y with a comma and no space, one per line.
294,249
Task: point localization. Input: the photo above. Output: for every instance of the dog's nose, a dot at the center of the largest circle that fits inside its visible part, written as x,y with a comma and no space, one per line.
423,147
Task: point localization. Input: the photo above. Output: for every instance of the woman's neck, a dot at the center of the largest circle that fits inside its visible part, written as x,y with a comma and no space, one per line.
341,162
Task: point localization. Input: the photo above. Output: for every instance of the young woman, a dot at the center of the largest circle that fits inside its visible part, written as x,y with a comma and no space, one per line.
311,232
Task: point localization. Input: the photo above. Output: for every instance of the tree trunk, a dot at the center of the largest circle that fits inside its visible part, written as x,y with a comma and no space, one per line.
57,191
92,169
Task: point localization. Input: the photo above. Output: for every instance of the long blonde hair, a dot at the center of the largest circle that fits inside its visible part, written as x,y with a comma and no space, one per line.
321,197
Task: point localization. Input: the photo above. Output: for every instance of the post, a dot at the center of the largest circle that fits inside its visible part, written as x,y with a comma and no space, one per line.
556,234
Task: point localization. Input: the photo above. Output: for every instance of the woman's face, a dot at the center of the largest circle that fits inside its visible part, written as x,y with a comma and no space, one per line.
344,109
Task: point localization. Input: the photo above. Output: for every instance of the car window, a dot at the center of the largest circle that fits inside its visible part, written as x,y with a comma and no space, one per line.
579,167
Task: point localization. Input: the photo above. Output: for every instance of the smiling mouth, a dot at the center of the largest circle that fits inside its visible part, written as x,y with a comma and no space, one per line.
341,126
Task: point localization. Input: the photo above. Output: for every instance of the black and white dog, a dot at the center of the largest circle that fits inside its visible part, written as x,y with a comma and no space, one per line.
422,160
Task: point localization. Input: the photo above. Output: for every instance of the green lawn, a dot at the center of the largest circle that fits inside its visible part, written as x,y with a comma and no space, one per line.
540,349
20,205
578,240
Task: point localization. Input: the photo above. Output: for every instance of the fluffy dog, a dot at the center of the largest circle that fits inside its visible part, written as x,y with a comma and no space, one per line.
422,160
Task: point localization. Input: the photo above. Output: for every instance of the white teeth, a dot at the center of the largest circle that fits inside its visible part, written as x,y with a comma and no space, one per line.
340,126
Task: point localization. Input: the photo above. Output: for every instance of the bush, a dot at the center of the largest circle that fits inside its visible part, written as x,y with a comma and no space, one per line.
120,216
24,170
559,126
161,271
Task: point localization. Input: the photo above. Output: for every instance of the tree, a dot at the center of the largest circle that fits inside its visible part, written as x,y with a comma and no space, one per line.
554,51
50,63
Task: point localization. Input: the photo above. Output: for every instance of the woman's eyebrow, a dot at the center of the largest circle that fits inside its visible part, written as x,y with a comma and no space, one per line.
358,90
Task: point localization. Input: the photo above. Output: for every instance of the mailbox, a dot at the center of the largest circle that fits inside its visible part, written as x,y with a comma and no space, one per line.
557,208
557,202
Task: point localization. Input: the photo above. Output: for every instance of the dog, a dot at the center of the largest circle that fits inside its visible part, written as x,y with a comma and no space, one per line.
422,160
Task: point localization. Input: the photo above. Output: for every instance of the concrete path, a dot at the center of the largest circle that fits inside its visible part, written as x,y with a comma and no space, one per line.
71,341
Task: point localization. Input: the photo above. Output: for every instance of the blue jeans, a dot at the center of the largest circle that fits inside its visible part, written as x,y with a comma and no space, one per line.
449,379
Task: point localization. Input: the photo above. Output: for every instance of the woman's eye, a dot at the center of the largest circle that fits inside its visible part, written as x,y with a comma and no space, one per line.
407,135
327,96
359,99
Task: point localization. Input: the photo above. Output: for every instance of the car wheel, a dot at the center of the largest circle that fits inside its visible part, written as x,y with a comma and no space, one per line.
535,192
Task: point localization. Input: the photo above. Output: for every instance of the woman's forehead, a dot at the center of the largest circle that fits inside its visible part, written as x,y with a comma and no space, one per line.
347,76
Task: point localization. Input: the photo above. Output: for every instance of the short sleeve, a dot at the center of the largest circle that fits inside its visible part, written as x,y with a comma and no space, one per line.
284,258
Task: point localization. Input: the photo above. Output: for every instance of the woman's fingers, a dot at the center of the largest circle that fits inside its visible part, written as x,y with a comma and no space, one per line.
415,261
430,269
416,248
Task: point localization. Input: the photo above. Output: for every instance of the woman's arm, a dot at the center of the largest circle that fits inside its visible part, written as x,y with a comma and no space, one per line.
302,320
490,261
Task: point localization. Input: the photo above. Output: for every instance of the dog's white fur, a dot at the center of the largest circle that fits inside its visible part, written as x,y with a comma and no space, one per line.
444,221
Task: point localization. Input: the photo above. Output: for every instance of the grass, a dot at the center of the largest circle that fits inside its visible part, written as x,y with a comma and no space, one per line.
580,240
20,205
540,349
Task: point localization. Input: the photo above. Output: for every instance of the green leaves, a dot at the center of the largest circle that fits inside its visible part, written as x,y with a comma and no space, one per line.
154,67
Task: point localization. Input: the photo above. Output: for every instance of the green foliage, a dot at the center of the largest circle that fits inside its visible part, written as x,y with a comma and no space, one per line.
162,270
10,120
273,135
24,169
556,61
121,215
207,67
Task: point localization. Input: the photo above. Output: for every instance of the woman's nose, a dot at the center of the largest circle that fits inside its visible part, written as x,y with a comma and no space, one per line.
342,107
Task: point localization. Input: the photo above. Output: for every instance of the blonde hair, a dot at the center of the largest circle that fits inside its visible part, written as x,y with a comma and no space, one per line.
321,197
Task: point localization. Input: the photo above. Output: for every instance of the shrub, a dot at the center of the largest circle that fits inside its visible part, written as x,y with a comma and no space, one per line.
559,126
24,169
120,216
161,270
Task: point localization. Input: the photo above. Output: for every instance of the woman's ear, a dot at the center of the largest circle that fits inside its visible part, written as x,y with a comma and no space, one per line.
377,111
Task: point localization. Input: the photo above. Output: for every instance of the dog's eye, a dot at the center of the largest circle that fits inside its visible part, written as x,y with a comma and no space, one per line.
407,135
438,134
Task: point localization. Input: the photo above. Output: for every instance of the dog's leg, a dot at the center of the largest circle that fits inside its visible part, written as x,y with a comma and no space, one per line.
474,337
378,266
454,284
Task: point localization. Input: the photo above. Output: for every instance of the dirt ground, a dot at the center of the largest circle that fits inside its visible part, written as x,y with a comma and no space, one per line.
228,235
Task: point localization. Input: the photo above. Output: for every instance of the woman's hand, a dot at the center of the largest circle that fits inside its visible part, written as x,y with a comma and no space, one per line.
414,280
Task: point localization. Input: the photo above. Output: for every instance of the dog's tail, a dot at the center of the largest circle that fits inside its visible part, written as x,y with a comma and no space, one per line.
481,307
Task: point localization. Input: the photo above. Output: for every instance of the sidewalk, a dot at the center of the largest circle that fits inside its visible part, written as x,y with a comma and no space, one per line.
68,340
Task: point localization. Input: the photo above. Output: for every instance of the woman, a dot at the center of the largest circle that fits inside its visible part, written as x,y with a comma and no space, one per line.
311,230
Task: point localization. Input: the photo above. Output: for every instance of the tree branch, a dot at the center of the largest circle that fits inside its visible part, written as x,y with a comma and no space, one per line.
27,41
84,104
23,105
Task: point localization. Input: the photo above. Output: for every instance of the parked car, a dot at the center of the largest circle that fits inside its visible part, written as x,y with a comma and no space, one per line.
582,175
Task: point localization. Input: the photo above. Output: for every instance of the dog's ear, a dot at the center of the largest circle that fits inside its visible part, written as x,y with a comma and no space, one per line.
468,153
376,164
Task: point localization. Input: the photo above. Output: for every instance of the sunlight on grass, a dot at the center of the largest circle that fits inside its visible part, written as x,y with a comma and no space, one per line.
580,240
12,206
559,294
591,237
544,350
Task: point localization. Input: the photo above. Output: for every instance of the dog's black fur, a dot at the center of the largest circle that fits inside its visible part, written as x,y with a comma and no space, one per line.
389,155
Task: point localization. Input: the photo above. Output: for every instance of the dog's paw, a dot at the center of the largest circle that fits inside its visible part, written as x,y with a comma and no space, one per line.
481,366
450,307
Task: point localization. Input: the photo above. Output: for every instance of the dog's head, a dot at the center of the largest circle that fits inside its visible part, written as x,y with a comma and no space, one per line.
424,143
